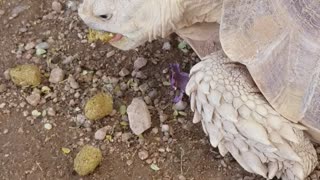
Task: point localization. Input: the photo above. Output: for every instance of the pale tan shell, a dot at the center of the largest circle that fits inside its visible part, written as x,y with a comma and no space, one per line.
279,42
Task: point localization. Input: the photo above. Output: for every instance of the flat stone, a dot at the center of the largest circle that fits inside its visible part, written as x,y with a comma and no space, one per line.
139,116
139,63
124,72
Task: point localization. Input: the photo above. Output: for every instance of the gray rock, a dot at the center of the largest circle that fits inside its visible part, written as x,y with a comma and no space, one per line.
56,6
179,106
165,128
139,63
139,116
72,82
56,75
124,72
68,60
51,112
80,119
29,46
6,74
166,46
143,155
144,87
140,75
72,5
101,133
33,99
42,45
111,53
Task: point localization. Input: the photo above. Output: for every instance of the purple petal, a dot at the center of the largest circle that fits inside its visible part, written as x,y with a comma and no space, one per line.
178,80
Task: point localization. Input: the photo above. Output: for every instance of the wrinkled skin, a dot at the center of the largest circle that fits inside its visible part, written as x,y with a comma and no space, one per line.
138,21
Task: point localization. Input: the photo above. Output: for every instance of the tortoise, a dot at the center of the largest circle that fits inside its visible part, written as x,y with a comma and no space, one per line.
256,98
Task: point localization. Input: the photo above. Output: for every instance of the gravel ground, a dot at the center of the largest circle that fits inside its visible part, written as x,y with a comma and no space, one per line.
42,128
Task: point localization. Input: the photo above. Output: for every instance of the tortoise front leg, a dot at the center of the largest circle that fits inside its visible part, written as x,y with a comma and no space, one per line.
239,120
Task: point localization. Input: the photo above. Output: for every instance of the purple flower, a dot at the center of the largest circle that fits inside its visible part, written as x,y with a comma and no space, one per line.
178,81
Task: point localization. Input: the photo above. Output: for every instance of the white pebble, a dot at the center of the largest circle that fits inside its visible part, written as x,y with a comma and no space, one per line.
165,128
36,113
47,126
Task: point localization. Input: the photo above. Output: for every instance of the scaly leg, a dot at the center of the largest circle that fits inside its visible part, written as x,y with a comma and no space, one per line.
239,120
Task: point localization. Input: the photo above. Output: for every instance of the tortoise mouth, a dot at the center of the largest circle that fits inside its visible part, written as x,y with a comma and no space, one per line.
116,38
104,36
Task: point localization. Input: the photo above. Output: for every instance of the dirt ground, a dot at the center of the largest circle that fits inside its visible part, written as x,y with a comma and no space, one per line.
30,151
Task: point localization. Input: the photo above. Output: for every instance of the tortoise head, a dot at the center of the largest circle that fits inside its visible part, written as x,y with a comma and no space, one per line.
134,22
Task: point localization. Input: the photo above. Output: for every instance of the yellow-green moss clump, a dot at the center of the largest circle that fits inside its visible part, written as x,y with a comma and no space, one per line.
26,75
98,106
98,35
87,160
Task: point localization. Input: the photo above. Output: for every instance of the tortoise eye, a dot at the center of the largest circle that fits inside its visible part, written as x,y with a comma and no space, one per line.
106,16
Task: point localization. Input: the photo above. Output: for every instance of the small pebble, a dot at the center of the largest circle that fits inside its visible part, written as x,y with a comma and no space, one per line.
166,46
72,5
42,45
155,130
29,46
124,72
56,75
180,106
101,133
36,113
51,112
129,162
6,74
72,82
33,99
56,6
139,63
47,126
2,105
143,155
5,131
111,53
68,60
165,128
